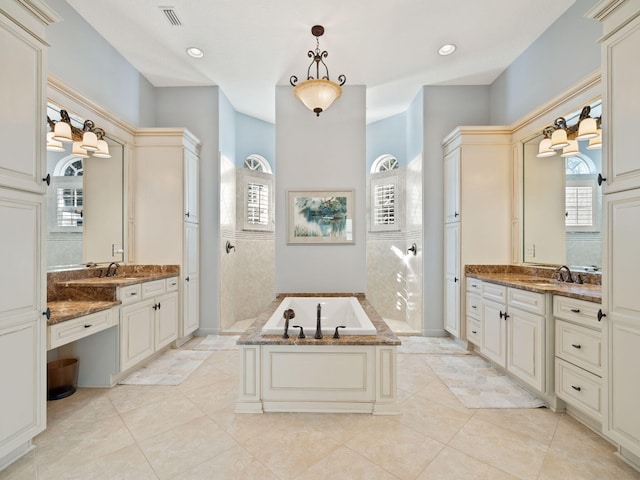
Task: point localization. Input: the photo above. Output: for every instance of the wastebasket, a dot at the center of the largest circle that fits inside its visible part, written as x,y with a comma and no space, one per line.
62,378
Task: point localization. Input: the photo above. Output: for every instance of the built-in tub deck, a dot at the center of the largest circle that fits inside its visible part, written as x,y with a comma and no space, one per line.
350,374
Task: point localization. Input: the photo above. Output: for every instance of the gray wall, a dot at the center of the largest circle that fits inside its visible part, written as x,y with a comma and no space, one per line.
255,136
387,136
565,53
325,152
196,108
82,58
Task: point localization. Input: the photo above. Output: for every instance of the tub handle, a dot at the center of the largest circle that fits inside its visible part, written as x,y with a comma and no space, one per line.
302,335
336,334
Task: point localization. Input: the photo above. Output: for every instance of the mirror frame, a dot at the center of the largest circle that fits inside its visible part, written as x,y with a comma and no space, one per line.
59,93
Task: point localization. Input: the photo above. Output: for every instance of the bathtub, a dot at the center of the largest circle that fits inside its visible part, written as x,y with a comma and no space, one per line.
335,311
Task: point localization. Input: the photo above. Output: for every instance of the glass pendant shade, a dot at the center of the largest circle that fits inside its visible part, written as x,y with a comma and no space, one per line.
78,151
89,141
62,132
571,149
544,150
317,95
559,139
53,145
587,129
103,150
595,143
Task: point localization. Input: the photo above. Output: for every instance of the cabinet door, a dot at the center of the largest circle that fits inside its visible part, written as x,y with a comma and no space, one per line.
137,323
167,314
22,98
494,331
191,187
452,279
452,186
190,313
621,303
525,350
621,99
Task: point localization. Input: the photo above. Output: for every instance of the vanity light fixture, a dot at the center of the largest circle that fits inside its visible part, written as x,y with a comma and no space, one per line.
317,93
88,139
559,136
447,49
195,52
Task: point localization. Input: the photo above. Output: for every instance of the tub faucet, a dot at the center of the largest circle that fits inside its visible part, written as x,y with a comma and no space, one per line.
561,276
318,334
115,266
288,315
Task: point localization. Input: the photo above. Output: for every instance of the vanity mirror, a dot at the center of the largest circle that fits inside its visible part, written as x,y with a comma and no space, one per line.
84,202
562,203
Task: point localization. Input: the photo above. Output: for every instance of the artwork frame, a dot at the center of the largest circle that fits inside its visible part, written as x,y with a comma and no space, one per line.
321,217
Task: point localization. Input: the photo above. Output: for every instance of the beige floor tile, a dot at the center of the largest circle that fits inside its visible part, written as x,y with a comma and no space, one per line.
345,464
152,419
221,395
450,464
129,397
186,446
511,452
85,404
396,448
437,421
235,463
243,427
22,469
537,423
341,427
438,392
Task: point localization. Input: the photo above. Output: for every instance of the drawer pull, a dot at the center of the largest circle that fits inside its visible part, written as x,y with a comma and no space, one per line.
173,284
133,294
600,315
473,306
474,285
575,310
576,346
88,325
577,389
474,331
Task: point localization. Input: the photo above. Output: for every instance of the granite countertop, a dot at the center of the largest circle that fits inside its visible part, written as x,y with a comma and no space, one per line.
535,281
122,280
254,336
62,311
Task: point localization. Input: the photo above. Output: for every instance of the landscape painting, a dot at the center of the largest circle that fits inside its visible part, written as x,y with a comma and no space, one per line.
320,217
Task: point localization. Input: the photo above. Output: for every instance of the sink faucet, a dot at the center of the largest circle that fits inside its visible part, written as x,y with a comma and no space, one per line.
318,334
561,276
115,266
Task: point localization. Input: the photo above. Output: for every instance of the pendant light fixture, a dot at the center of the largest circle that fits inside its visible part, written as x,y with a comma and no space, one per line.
559,136
317,93
86,140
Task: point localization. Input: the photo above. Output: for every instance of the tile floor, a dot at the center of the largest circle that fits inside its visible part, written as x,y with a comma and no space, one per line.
189,431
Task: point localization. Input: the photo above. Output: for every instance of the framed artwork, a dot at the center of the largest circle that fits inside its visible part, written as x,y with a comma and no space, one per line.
320,216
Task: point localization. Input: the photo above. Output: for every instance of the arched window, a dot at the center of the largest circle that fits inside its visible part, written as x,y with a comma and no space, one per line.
580,194
384,194
67,183
258,191
257,163
384,163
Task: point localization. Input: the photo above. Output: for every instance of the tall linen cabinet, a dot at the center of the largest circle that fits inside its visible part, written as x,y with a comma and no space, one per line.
22,257
477,210
166,211
621,214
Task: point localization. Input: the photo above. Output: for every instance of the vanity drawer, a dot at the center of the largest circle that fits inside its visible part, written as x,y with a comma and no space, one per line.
473,331
580,346
492,291
578,311
474,305
171,284
129,294
528,301
152,289
579,388
474,285
72,330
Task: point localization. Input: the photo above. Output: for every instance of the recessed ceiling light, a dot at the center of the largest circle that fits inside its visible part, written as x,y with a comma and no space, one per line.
447,49
195,52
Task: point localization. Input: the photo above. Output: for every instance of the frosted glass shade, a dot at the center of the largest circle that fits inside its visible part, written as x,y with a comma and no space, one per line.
544,150
62,132
317,95
78,151
53,145
103,150
587,129
571,149
90,141
559,139
595,143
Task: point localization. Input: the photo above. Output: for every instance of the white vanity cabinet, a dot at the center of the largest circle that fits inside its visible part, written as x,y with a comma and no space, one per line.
477,210
148,319
22,273
474,311
167,212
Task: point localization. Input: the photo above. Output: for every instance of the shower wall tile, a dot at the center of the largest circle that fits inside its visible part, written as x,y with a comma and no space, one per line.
254,273
414,272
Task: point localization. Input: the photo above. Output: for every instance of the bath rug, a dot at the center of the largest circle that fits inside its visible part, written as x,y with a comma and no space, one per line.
477,384
432,346
171,368
212,342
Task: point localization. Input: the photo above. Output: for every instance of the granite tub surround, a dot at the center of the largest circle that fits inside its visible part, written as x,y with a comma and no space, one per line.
539,279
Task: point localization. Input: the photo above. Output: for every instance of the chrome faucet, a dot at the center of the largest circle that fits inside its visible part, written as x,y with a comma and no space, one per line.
115,266
318,334
560,276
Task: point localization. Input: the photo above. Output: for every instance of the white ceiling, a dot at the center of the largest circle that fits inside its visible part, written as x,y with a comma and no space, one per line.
253,45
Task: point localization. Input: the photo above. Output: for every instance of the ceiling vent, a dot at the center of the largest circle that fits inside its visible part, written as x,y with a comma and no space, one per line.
171,16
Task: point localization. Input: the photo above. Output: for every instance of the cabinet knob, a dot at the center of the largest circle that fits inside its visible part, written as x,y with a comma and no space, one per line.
456,214
601,179
455,279
47,179
504,315
47,313
600,315
187,279
187,214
